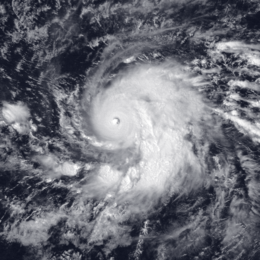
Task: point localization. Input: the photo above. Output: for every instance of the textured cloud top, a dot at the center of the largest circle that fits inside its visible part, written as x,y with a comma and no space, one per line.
152,110
130,129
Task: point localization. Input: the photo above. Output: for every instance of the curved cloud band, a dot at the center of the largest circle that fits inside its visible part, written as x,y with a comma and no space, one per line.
152,110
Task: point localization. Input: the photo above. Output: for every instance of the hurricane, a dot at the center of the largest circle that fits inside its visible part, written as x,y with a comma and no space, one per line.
129,130
152,111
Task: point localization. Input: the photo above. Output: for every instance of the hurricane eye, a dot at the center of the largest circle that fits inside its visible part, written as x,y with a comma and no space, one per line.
116,121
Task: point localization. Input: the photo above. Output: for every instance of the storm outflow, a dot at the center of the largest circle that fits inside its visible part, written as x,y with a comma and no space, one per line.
156,111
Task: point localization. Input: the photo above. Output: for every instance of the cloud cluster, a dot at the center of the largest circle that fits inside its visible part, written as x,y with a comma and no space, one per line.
152,110
16,115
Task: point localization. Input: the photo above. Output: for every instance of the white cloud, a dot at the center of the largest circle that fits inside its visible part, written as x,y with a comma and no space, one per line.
17,115
156,107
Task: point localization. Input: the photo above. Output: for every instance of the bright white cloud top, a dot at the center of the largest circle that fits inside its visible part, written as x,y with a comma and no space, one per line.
152,111
16,115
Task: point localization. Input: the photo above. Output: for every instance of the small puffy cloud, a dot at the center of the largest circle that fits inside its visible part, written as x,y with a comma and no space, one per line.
16,115
68,168
32,232
56,168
